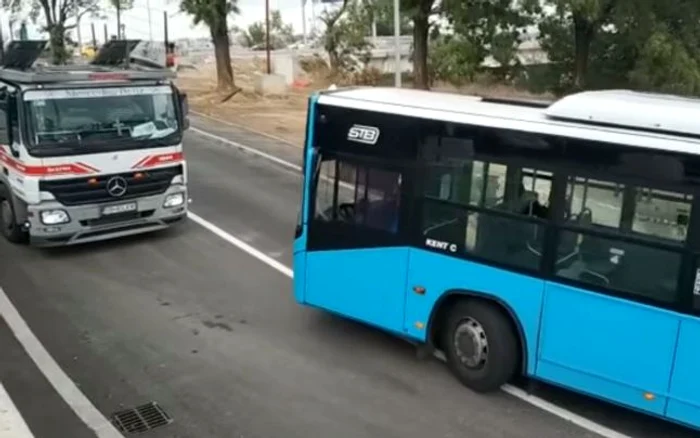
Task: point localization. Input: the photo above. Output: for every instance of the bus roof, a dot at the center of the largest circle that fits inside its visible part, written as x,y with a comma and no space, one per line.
646,120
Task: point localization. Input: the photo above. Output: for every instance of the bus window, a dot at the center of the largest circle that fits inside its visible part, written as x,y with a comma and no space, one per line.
643,269
601,201
662,214
325,195
481,217
357,194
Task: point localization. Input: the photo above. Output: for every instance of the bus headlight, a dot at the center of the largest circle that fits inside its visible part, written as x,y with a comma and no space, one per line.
54,217
174,200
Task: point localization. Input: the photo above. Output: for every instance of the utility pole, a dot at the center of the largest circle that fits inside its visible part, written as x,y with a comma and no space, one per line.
303,19
105,31
150,26
267,35
165,36
94,39
78,33
397,44
119,19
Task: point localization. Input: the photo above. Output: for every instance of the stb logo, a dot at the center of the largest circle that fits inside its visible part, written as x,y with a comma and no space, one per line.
363,134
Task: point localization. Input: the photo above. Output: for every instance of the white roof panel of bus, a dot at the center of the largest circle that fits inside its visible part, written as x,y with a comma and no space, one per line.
632,108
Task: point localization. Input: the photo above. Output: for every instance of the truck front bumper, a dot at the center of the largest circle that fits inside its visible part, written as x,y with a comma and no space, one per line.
90,223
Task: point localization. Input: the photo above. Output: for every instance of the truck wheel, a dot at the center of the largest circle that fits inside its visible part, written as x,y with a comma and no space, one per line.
8,221
480,345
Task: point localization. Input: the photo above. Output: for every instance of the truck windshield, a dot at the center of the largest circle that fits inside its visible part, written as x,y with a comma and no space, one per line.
92,116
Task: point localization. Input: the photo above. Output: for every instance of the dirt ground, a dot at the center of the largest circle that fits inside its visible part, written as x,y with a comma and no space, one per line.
283,117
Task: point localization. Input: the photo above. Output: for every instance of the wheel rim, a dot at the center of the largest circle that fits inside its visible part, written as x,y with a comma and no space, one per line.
471,343
8,218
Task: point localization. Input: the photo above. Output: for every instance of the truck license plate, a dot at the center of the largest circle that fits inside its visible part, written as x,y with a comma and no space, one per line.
120,208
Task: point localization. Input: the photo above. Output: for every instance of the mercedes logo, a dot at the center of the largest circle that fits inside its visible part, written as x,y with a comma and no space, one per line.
116,186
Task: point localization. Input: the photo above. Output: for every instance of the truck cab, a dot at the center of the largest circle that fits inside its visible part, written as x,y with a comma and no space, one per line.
89,151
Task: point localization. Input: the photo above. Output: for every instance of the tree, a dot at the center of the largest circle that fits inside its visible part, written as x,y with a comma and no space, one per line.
121,5
346,35
383,14
579,21
281,34
419,13
483,28
57,15
214,14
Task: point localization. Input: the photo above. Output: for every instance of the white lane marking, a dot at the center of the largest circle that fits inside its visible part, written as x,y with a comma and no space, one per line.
265,155
245,128
248,149
549,407
241,245
12,424
516,392
65,387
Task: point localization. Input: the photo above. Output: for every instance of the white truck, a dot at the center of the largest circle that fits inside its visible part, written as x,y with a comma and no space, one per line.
89,152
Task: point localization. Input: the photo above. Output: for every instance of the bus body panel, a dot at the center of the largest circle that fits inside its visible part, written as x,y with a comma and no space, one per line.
368,284
602,345
299,280
439,274
684,405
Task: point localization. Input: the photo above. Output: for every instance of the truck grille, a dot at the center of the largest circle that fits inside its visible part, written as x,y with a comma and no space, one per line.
93,190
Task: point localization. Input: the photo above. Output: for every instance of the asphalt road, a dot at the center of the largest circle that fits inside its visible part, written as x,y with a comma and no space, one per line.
212,335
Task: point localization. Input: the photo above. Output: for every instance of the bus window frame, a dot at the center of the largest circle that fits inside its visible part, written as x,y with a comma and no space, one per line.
562,167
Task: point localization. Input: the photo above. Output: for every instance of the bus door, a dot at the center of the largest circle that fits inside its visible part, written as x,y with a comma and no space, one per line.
355,263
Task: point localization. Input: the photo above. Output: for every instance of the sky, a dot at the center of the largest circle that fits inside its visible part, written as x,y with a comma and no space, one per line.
180,24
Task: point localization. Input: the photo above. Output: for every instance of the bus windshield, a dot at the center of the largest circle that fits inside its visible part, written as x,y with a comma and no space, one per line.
93,116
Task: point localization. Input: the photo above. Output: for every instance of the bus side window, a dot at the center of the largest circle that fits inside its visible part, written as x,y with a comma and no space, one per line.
642,268
325,193
357,194
662,214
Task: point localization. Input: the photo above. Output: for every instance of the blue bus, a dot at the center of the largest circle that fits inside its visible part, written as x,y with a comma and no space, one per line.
559,241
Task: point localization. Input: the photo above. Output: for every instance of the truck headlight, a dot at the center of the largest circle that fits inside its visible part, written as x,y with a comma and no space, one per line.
174,200
54,217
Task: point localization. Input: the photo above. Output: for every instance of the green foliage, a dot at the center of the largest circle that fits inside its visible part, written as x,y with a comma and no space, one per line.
345,39
213,13
383,13
122,4
281,34
454,59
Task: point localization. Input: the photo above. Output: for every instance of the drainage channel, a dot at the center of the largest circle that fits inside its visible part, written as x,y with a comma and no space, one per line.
141,419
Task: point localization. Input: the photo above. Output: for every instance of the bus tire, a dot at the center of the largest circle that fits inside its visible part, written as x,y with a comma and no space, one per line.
481,346
9,227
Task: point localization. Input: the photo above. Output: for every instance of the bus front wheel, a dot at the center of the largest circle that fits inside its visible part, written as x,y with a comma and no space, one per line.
480,345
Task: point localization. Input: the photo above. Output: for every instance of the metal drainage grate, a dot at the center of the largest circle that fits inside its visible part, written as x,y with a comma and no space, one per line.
141,419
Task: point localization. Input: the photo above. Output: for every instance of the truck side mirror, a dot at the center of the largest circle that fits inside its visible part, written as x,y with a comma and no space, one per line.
184,110
184,105
9,114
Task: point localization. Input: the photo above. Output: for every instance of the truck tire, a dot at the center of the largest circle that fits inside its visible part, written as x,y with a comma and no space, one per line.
9,227
480,345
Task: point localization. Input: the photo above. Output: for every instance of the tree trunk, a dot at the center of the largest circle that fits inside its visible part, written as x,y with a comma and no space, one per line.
421,27
583,37
58,44
224,71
